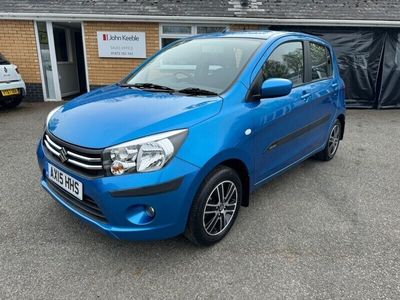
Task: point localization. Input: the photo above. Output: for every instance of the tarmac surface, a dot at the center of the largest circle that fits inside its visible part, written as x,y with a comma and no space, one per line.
321,230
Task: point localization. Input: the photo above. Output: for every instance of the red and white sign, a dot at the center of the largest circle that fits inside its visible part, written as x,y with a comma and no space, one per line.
121,44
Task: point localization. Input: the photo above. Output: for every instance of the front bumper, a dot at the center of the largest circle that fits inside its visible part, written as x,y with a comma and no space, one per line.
121,199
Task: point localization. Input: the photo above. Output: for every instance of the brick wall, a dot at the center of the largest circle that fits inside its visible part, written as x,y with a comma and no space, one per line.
18,45
103,71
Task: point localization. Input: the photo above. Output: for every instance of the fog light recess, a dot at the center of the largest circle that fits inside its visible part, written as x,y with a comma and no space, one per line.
141,214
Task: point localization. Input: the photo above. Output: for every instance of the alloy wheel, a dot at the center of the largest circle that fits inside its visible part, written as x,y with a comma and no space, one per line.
220,207
334,140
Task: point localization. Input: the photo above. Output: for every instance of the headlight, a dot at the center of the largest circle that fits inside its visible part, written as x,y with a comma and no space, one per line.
145,154
51,113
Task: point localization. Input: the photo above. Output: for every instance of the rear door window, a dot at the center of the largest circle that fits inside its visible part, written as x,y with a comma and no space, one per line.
286,61
321,62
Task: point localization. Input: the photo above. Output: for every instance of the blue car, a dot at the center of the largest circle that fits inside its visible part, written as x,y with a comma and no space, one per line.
179,144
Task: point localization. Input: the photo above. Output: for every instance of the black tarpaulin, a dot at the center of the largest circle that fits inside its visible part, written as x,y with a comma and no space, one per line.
369,63
389,93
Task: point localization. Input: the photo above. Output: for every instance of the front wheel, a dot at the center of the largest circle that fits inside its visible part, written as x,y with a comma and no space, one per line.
215,207
332,144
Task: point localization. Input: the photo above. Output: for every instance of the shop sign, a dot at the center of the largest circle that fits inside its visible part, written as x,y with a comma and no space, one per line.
121,44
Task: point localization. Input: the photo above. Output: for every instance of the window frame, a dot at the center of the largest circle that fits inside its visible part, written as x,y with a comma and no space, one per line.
183,35
309,67
253,95
304,58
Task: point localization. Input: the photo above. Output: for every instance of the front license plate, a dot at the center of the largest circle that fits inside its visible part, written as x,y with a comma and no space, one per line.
66,182
10,92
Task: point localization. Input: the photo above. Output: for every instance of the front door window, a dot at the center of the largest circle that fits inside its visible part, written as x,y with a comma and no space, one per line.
287,61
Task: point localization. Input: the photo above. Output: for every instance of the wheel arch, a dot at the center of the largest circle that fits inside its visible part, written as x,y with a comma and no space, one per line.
238,160
241,169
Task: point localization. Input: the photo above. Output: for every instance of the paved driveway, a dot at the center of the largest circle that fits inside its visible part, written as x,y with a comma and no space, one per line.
322,230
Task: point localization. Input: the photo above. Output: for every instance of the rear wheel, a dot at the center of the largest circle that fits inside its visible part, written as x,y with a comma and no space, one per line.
215,207
332,144
11,102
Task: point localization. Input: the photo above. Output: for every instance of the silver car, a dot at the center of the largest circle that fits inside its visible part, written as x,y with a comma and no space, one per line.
12,87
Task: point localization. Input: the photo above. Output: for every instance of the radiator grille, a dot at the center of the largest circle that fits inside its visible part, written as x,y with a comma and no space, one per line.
85,161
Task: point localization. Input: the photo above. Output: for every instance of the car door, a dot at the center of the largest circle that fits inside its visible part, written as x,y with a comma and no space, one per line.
325,88
281,123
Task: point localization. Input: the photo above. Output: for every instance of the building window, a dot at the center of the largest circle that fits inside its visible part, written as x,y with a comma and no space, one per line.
176,29
172,33
209,29
167,41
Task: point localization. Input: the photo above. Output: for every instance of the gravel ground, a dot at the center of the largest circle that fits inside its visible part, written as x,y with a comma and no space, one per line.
322,230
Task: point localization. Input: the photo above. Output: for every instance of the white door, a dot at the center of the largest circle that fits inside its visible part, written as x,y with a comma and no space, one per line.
64,44
47,60
57,58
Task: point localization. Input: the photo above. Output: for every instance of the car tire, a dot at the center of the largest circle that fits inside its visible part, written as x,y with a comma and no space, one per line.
11,103
215,207
332,144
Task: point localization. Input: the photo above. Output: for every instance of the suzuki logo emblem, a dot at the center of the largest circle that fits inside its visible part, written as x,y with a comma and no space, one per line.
5,70
63,155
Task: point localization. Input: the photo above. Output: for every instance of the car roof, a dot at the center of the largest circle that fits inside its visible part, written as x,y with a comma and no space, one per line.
261,34
257,34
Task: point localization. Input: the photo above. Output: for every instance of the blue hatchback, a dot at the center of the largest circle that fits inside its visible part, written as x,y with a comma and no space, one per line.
179,144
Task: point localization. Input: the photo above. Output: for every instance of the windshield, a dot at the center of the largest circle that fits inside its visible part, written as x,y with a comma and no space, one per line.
207,64
3,60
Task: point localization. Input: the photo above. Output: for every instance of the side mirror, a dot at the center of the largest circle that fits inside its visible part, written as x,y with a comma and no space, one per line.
276,87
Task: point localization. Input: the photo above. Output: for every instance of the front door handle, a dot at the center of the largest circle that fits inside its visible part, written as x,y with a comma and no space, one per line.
335,86
306,96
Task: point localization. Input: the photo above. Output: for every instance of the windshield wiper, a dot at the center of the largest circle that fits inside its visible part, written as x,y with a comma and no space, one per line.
147,86
197,91
157,87
127,85
152,86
